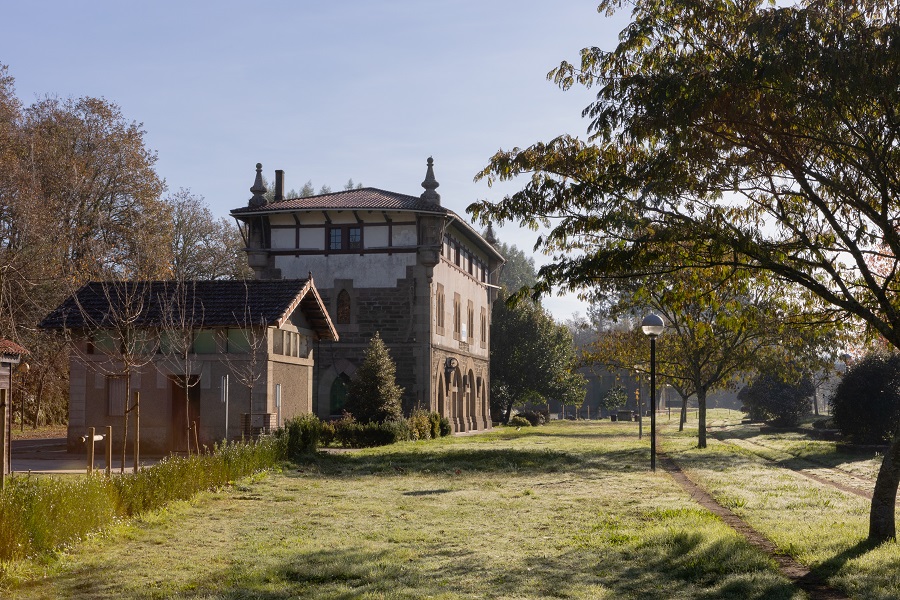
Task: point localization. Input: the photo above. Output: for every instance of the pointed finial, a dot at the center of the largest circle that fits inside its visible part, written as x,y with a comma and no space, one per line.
258,189
430,184
489,235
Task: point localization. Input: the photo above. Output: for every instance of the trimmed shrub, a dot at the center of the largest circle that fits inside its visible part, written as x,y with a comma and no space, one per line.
519,421
865,406
446,429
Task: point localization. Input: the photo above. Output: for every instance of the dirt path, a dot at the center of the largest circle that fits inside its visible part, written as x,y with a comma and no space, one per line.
800,575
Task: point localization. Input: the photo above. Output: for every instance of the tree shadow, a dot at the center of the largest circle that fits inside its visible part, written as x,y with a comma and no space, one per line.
480,460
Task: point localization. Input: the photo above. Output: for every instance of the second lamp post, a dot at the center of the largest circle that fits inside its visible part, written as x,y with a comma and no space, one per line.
652,326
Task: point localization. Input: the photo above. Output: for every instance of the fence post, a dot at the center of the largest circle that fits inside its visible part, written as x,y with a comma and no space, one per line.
108,450
90,450
3,453
137,430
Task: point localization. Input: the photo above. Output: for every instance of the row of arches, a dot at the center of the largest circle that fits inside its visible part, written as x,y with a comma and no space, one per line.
462,398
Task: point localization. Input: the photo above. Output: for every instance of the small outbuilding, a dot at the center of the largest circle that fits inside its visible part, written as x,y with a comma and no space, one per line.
11,355
210,360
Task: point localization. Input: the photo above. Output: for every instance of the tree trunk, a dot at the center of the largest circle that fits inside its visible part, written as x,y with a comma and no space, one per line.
507,414
39,395
884,497
701,418
682,418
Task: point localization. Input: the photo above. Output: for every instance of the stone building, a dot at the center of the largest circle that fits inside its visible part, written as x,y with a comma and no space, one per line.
401,265
221,359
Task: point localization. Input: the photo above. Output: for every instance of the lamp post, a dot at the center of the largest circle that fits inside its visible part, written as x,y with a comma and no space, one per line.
652,326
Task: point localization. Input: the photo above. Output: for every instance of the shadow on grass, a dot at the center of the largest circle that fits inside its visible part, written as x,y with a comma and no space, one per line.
478,460
676,565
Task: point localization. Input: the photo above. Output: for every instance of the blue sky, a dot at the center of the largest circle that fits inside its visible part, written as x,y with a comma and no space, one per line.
326,90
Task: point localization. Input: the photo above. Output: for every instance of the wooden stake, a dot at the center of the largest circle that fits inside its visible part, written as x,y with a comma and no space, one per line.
90,450
3,452
137,430
196,439
108,450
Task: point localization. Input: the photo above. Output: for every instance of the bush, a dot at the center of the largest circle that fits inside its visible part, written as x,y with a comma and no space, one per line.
328,433
303,435
535,417
419,425
434,420
352,434
519,421
42,514
446,429
865,406
772,399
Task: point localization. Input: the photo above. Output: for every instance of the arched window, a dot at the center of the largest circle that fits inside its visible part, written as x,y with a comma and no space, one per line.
343,307
338,394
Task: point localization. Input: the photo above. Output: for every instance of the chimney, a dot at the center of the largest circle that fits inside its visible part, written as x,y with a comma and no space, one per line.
279,185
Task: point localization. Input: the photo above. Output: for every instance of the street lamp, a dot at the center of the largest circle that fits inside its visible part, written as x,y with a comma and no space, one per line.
652,326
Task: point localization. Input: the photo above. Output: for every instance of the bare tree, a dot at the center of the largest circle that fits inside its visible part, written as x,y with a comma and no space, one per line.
112,316
245,351
181,317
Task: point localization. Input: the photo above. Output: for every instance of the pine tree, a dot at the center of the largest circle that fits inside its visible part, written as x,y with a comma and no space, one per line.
374,395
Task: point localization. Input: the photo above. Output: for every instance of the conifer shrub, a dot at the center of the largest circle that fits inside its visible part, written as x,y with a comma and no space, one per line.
373,395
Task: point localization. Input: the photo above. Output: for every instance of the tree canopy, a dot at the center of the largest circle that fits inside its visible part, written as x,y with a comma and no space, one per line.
532,358
768,133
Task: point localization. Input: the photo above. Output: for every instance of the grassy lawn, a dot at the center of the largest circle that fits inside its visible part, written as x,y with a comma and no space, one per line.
821,527
568,510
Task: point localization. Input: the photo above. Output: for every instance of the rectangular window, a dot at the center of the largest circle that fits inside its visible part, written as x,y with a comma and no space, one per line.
483,327
343,238
238,341
205,342
355,238
439,309
470,322
335,241
457,317
115,391
456,254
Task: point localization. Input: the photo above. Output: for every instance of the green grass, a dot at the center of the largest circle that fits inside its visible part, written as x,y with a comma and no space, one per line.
40,515
567,510
818,525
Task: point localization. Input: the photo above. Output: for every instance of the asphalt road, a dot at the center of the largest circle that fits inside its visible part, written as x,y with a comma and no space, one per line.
49,455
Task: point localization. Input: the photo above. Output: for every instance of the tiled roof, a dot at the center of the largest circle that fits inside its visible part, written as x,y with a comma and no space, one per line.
8,347
207,304
361,199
